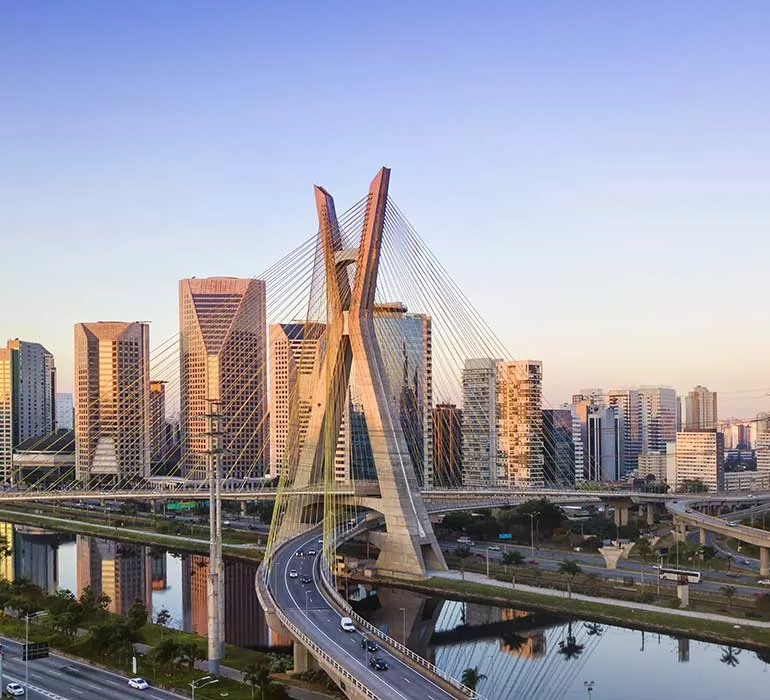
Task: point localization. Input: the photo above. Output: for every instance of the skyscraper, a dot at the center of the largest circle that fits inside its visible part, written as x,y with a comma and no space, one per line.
295,350
479,422
157,420
27,397
701,409
559,455
65,412
112,404
223,356
700,456
627,407
520,416
447,447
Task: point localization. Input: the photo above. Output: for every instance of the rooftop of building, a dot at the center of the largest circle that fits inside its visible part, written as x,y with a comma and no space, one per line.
62,441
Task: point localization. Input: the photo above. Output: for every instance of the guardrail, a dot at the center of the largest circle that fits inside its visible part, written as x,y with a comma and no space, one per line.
331,589
308,643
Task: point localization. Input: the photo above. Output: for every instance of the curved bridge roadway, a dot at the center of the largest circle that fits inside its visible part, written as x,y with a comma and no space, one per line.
685,513
306,606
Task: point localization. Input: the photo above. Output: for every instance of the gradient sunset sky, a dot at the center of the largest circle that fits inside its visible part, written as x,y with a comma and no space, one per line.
594,175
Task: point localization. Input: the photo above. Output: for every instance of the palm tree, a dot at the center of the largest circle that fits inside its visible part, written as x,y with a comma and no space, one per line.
462,553
472,677
729,592
730,656
570,568
256,675
593,629
570,649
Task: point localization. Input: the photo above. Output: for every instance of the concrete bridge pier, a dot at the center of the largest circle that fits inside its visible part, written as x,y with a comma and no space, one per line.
303,659
615,553
640,512
702,536
621,515
680,532
764,561
650,514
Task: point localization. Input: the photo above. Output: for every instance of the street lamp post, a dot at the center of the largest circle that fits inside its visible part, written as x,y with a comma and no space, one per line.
532,530
487,563
202,682
27,617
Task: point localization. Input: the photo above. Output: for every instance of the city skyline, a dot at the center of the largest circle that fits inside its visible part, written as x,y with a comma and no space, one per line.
595,161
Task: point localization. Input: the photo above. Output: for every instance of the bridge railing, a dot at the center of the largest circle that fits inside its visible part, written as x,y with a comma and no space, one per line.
318,651
331,589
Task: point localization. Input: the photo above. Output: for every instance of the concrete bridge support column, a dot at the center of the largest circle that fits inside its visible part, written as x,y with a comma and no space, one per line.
303,659
702,534
640,512
764,561
680,532
650,514
683,593
621,515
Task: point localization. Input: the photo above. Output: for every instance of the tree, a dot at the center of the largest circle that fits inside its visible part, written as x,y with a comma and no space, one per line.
189,652
730,656
257,676
513,558
570,568
729,593
94,606
163,617
137,614
65,611
166,652
643,548
694,486
462,552
472,677
549,515
569,648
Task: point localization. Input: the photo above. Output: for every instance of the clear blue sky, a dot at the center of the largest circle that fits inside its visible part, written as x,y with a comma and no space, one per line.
594,174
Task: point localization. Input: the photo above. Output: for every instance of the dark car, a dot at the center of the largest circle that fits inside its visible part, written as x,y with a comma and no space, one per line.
299,553
370,645
378,664
306,580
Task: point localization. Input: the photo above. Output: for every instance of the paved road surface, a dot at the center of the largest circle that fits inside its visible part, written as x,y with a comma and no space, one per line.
307,608
57,678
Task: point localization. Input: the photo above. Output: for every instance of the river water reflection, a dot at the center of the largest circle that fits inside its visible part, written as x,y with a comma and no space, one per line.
524,655
535,656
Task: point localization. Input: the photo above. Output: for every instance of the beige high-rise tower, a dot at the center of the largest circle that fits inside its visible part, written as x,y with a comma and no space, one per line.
520,422
112,405
701,409
223,356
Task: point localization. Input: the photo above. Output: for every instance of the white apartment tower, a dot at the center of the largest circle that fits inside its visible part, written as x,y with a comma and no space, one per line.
700,456
479,422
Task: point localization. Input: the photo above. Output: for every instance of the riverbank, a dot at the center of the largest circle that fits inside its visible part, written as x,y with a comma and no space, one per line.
707,627
123,534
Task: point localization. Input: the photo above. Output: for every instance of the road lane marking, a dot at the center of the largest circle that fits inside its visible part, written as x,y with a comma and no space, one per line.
39,691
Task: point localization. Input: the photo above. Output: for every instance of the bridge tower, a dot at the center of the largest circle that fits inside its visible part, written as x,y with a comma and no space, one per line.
408,547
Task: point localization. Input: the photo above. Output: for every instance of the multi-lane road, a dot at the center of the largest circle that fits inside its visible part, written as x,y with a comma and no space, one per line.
305,606
57,678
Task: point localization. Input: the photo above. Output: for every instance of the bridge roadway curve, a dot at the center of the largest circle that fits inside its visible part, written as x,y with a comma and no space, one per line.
306,606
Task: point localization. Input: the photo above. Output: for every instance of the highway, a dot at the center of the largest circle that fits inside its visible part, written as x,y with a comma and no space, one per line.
57,678
305,606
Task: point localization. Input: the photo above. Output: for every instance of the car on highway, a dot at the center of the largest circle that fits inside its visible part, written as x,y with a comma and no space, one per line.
764,582
14,689
293,573
531,561
306,580
732,524
299,553
370,645
493,548
746,562
138,683
311,552
378,663
346,624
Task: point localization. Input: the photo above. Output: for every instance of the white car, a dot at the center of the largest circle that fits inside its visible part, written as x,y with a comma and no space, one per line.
764,582
138,683
346,624
293,573
493,548
14,689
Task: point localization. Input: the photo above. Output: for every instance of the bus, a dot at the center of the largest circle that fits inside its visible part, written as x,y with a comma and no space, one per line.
681,575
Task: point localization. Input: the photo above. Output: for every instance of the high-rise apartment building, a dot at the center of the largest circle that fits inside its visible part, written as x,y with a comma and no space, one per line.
657,417
479,422
112,405
559,457
627,407
65,412
223,357
763,453
295,350
520,416
447,447
27,397
701,409
158,434
700,456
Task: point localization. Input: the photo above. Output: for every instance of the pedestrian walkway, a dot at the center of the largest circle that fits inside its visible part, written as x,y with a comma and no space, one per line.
481,578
